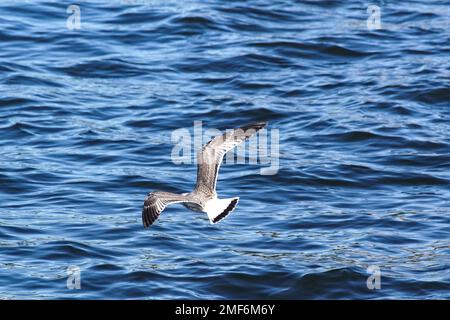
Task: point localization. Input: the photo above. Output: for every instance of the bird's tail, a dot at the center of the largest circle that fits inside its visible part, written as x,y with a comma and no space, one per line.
218,209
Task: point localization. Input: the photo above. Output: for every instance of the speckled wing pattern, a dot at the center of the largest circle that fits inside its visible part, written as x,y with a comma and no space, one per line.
211,156
155,203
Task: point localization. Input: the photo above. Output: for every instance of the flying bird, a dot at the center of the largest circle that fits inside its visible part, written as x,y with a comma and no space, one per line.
204,197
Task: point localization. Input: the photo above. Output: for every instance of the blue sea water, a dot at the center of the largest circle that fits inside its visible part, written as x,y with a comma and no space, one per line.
86,117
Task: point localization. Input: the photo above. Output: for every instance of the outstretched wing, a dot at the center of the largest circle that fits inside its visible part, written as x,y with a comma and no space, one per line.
155,203
211,156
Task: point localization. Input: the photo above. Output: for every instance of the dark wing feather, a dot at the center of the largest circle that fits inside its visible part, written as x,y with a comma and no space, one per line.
211,156
156,202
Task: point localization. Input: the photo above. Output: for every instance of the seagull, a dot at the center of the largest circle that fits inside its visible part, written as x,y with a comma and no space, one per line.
204,197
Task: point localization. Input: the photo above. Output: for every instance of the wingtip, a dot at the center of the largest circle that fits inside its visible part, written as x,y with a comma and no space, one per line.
262,124
256,125
144,219
149,214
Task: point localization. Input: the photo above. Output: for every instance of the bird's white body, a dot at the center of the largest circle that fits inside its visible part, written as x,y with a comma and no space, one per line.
216,207
213,207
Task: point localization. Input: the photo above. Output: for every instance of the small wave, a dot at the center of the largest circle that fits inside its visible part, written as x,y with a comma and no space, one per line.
115,68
